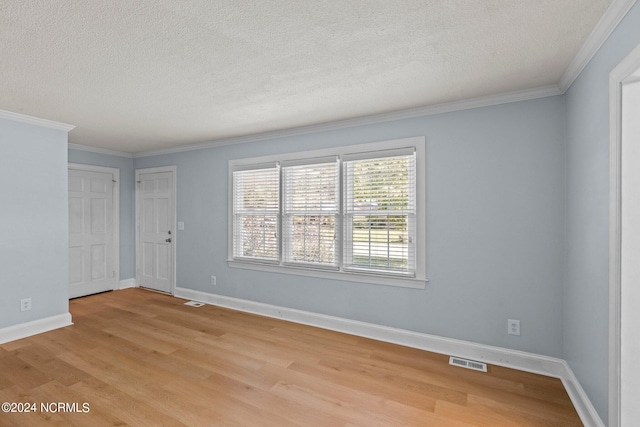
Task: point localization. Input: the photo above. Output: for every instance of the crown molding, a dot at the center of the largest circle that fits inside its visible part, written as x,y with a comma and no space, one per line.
603,29
23,118
429,110
99,150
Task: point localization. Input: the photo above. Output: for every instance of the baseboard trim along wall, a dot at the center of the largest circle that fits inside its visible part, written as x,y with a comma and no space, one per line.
126,284
529,362
579,398
34,327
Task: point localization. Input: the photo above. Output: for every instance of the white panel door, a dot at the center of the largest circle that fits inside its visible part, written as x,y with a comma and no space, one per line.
91,240
155,228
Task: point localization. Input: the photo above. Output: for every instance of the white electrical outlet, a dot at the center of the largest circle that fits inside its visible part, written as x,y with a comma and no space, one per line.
25,304
513,327
213,281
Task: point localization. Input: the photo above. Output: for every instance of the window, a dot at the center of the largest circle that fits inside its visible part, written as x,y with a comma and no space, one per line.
351,213
310,213
379,212
255,209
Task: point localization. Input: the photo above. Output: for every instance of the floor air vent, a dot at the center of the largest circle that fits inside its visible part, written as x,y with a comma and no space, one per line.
469,364
194,303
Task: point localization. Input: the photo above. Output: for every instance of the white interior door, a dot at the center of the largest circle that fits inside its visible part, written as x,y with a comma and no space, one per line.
91,232
156,237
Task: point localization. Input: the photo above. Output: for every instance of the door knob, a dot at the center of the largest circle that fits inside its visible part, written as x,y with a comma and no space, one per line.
168,240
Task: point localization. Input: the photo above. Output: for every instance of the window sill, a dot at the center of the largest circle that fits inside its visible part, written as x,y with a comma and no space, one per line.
376,279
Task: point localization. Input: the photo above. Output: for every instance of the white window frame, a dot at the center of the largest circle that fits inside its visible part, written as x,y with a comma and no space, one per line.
418,281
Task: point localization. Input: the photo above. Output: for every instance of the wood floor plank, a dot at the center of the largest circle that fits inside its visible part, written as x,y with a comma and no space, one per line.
346,400
230,365
235,410
266,400
22,373
144,358
348,379
132,411
54,393
477,415
145,388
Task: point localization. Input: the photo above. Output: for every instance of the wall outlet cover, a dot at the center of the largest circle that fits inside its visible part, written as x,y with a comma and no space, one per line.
25,304
513,327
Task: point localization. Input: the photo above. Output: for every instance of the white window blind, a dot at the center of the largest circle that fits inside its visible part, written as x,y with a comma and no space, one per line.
255,213
310,212
354,213
380,212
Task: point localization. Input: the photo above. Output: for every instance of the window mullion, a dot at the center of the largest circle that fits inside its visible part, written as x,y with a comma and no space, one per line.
339,230
280,227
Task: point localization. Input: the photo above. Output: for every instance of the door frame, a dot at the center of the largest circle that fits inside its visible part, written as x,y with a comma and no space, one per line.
617,78
174,235
115,172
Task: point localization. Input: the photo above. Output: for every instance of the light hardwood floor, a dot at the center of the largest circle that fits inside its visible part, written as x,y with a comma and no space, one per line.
141,358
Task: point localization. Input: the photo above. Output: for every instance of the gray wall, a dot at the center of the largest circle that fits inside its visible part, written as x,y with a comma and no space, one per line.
34,249
495,212
586,314
127,205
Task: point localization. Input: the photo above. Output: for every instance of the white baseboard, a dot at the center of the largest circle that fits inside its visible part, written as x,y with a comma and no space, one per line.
127,283
579,398
523,361
34,327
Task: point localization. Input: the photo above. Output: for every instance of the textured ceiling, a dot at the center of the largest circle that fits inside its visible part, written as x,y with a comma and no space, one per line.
145,75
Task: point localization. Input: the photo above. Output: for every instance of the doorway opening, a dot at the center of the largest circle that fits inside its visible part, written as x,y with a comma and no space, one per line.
624,241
